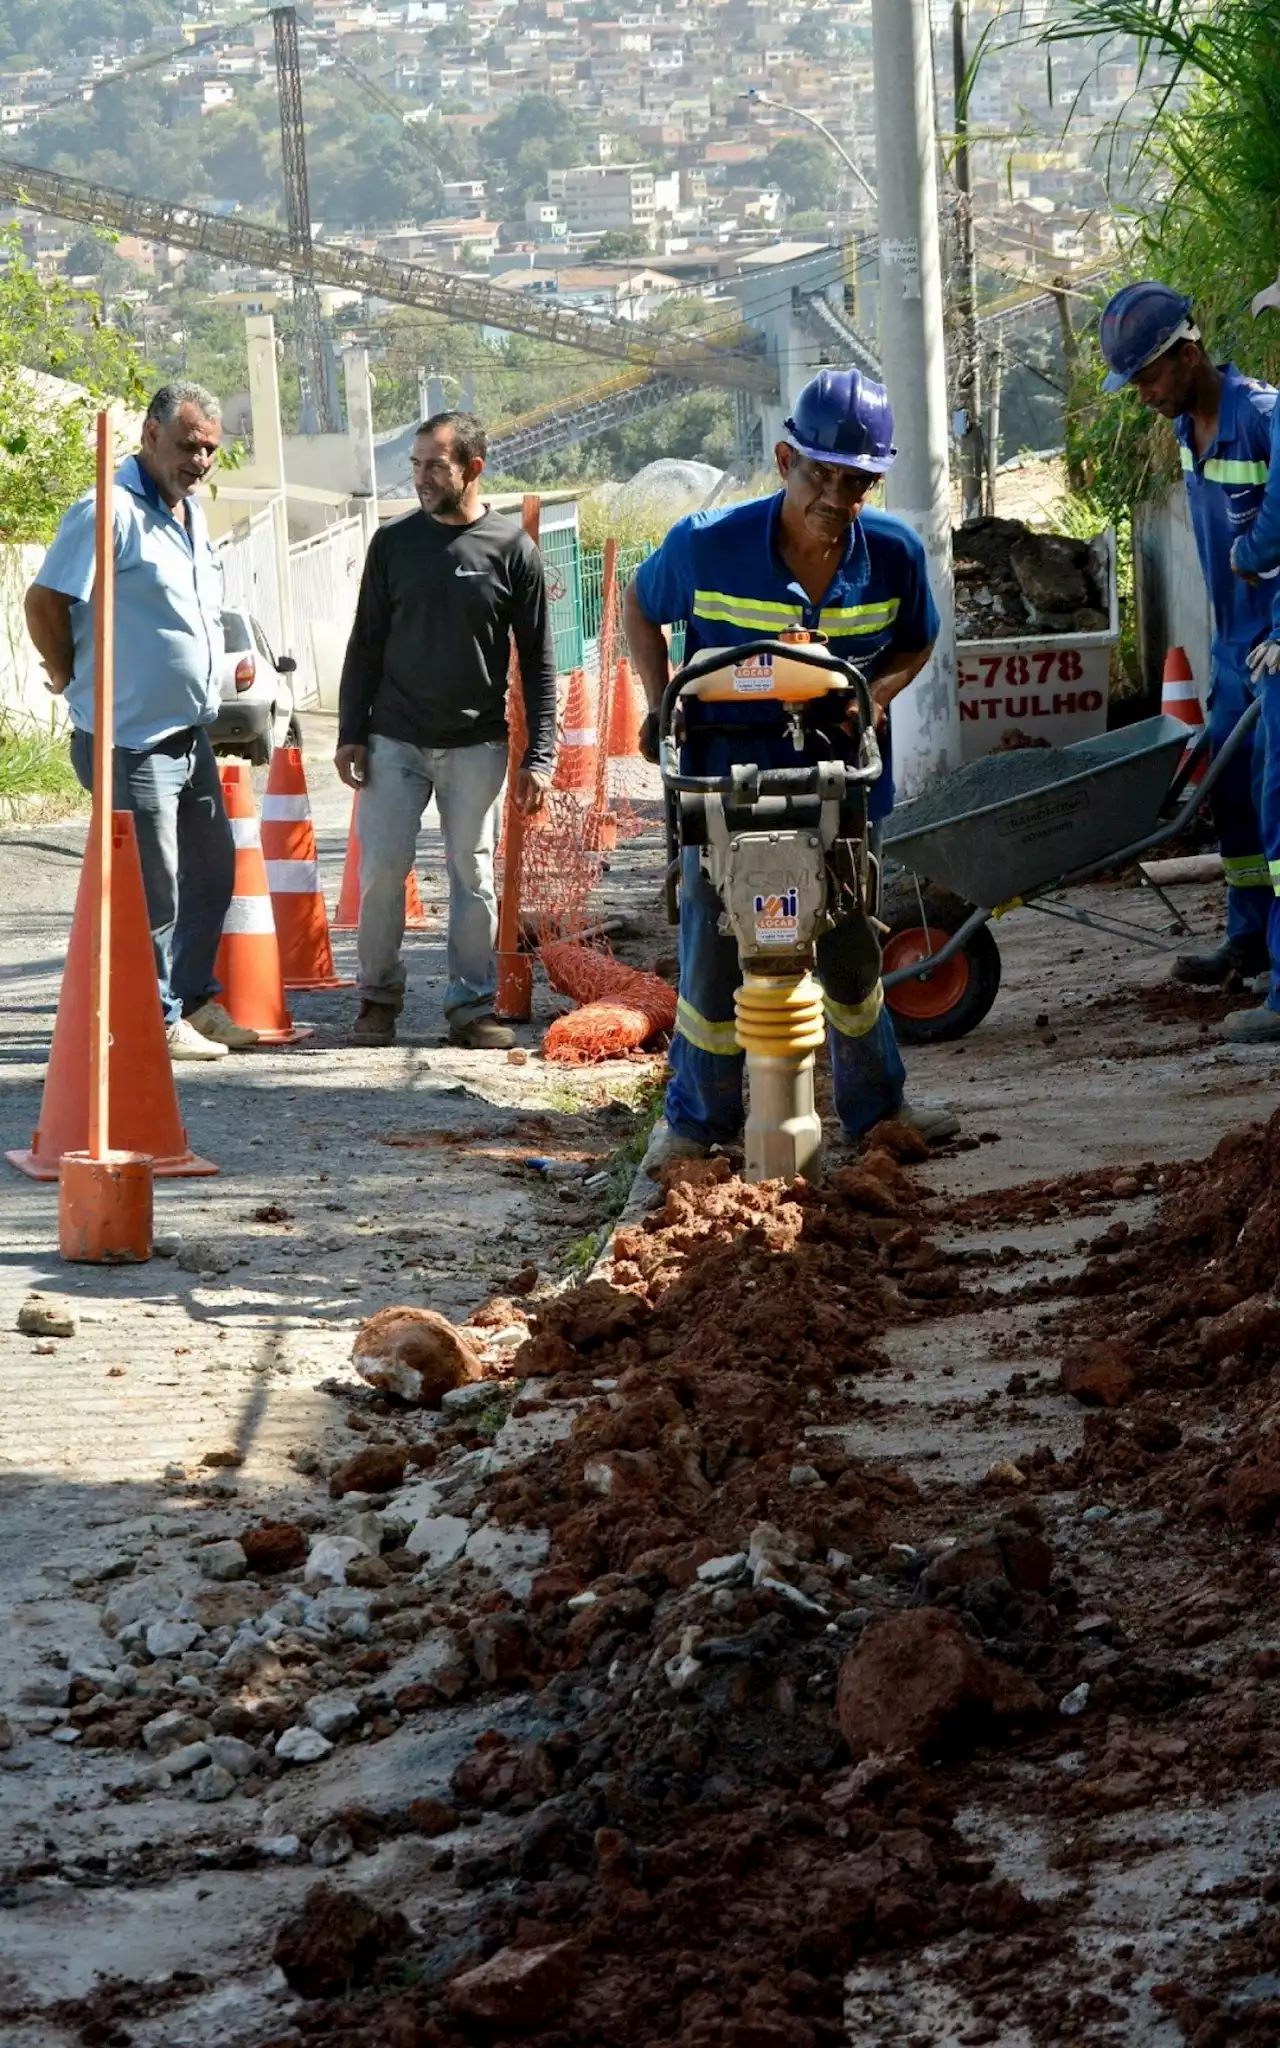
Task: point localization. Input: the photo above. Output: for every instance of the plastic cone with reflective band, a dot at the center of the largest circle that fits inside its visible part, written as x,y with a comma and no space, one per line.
144,1101
293,877
248,963
576,752
1180,699
624,716
346,918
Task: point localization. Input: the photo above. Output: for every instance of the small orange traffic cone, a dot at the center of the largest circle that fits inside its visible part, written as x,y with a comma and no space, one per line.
346,918
1180,699
576,751
248,963
624,716
293,877
143,1099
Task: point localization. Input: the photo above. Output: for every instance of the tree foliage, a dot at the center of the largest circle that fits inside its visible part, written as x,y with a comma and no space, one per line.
1208,155
46,444
527,140
807,170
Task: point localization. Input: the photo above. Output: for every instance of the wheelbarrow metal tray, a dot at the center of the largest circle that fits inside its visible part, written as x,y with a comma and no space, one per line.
1107,795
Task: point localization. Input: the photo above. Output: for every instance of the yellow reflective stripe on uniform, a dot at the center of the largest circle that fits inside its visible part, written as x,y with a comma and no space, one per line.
859,618
855,1022
1248,871
703,1032
1274,866
1219,471
752,614
1188,459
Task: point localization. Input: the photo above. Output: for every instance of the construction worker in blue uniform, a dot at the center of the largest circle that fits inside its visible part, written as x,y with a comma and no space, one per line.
810,556
1255,558
1222,421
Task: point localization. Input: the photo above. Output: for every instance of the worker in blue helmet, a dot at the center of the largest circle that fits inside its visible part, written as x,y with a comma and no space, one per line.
811,555
1222,421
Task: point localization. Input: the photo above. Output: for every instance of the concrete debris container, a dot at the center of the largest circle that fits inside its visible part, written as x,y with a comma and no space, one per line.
1047,684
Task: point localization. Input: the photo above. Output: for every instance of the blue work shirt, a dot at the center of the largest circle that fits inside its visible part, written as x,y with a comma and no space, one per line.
1258,549
168,605
1225,489
724,575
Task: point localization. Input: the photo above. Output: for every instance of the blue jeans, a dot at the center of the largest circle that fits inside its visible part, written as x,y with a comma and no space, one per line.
187,853
467,785
704,1095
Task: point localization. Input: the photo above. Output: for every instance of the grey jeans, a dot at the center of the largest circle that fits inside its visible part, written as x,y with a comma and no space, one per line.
467,785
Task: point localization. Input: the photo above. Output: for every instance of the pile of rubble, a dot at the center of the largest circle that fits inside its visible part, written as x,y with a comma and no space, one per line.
1011,581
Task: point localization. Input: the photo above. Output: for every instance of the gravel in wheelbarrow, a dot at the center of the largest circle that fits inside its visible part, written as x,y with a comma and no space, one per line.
1014,822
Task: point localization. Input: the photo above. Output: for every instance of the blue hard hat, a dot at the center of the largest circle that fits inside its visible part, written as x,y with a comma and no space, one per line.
842,416
1139,324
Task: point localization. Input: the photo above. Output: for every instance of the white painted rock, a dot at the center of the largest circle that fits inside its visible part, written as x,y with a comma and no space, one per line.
302,1746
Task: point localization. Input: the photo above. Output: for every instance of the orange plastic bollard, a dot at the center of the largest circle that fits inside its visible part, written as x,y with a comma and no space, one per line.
105,1208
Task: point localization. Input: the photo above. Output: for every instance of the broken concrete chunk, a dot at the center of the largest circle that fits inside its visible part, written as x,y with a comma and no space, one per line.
414,1353
333,1845
474,1396
201,1256
171,1638
41,1317
511,1555
46,1689
720,1571
329,1558
332,1714
229,1753
223,1562
438,1540
213,1783
171,1731
189,1757
302,1746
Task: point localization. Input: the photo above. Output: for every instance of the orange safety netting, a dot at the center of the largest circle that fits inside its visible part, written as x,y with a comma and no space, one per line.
563,851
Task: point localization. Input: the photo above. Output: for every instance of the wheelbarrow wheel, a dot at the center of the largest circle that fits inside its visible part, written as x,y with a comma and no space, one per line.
956,997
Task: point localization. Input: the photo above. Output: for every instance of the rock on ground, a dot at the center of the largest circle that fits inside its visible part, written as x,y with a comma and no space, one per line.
415,1353
918,1682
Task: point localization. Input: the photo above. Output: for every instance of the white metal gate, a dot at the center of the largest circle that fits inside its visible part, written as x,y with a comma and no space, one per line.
248,558
325,577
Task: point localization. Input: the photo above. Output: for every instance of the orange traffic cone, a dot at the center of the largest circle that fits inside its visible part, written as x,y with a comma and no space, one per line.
624,716
1180,699
346,918
248,963
576,751
293,877
144,1102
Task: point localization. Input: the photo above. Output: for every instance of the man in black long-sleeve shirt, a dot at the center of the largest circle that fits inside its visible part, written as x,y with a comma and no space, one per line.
422,713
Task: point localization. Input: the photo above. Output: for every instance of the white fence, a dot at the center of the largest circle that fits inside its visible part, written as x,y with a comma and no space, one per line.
325,577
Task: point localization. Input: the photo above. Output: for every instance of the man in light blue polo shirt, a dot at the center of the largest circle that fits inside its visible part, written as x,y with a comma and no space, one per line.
168,638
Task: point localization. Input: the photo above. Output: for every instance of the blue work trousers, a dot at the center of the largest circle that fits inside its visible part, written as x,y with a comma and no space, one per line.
704,1096
1236,805
187,853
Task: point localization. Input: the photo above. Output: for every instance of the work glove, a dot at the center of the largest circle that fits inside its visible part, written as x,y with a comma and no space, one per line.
649,737
1264,660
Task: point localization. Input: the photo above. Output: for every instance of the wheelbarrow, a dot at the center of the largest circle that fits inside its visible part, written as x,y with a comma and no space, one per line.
947,877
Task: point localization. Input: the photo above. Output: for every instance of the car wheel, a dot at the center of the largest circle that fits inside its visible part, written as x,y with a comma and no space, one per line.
293,737
261,750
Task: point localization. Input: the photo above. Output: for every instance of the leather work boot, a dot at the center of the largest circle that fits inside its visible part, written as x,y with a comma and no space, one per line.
482,1034
1245,957
375,1024
1253,1027
931,1121
665,1145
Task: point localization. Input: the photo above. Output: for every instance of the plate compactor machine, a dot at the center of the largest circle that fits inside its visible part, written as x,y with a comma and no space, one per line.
788,850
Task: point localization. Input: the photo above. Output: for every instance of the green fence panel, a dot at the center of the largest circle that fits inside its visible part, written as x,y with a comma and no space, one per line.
629,560
562,559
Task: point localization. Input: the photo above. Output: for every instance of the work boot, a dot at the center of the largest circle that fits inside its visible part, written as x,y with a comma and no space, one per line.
212,1021
186,1043
482,1034
1245,957
1253,1027
375,1024
665,1145
933,1123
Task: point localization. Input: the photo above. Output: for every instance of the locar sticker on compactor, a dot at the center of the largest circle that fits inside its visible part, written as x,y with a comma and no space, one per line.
777,919
753,677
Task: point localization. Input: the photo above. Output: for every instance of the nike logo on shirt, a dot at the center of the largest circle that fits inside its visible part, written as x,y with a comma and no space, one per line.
469,572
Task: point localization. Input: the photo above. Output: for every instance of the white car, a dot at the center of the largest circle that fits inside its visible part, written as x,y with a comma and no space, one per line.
256,687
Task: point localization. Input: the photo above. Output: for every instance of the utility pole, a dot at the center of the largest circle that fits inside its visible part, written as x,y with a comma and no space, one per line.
926,719
969,378
318,413
993,421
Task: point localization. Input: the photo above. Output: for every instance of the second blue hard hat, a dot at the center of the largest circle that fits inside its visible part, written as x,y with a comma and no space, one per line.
1139,324
842,416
